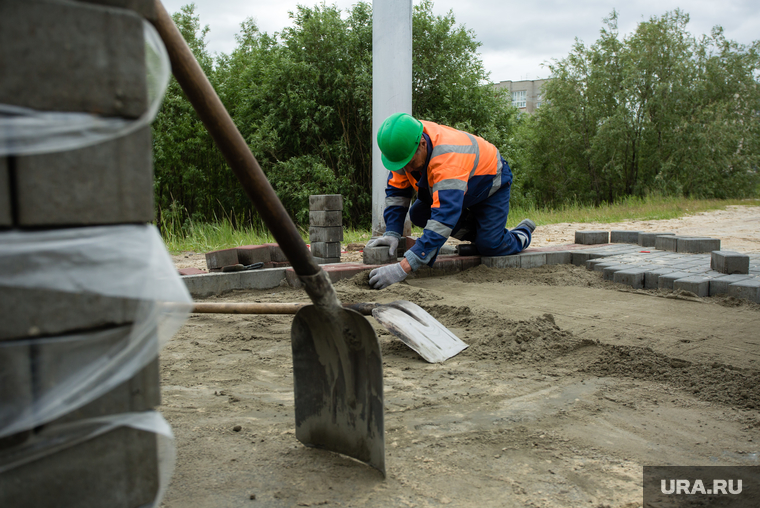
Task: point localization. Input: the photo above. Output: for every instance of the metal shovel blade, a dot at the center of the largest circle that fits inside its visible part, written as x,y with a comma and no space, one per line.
419,330
338,383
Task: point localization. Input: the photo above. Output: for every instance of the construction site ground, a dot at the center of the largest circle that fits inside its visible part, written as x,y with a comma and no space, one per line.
570,385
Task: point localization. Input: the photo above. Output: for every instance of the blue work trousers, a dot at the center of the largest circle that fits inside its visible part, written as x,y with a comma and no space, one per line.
482,224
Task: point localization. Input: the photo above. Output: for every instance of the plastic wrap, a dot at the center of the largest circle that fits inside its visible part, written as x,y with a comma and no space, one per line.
129,263
25,131
54,439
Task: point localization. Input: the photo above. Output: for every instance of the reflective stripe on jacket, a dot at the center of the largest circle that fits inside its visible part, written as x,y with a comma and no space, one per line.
462,170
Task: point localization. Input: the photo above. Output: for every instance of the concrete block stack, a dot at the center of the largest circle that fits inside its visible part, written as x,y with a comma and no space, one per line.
77,57
326,227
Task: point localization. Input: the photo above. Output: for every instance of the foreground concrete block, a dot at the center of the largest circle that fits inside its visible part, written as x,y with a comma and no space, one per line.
564,257
326,202
118,469
633,277
326,249
592,237
748,289
320,234
16,388
326,219
42,312
109,183
6,216
378,256
666,242
501,261
624,237
696,284
696,245
648,239
729,262
63,56
145,8
532,260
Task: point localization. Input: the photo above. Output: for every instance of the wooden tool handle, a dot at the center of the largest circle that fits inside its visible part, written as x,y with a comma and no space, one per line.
268,308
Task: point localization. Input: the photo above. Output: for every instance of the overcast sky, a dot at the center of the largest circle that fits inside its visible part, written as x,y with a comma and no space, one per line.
517,37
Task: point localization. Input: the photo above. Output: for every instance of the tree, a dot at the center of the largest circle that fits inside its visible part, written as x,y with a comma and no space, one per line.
302,99
657,111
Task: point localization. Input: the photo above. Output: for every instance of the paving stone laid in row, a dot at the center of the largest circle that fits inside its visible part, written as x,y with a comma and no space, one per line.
653,269
634,265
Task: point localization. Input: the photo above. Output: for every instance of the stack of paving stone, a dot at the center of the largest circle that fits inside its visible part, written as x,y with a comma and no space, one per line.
326,227
74,57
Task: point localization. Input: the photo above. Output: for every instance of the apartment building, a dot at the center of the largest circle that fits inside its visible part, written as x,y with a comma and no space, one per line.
526,95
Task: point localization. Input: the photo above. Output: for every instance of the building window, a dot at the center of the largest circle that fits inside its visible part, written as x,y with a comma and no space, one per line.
539,99
518,99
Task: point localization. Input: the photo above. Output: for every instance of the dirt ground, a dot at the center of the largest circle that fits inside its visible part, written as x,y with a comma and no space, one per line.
570,385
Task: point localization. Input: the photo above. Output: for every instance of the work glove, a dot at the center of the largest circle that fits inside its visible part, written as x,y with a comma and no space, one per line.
382,277
390,241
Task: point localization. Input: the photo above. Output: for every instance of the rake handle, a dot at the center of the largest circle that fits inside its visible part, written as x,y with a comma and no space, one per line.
269,308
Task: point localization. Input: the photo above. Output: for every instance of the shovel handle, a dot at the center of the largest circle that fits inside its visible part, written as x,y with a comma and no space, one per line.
269,308
217,120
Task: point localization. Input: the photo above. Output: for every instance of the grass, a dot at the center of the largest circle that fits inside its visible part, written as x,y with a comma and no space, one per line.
194,236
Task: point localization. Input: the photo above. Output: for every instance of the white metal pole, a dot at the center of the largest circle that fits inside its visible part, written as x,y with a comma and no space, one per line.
391,84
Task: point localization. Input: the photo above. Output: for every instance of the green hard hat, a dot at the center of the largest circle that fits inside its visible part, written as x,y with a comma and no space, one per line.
398,139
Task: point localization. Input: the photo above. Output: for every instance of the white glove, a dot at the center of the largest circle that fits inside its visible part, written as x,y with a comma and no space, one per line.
384,276
390,241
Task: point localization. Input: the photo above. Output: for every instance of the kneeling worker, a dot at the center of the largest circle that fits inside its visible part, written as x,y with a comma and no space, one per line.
462,185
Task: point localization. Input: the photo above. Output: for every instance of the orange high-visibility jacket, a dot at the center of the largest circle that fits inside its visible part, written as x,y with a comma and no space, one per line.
462,170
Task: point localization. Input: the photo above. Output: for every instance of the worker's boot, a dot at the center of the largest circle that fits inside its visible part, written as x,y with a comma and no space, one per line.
527,224
467,249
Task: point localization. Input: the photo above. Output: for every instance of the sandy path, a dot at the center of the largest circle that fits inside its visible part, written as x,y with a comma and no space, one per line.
570,385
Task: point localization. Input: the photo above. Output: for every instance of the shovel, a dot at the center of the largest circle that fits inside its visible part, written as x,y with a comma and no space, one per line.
337,369
406,320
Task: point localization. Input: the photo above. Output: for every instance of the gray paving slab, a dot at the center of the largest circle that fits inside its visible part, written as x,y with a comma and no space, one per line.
619,236
647,239
501,261
564,257
633,277
209,284
748,289
666,242
145,8
107,183
327,249
665,281
326,218
324,202
6,216
65,56
579,257
719,285
378,256
697,245
651,277
591,237
608,272
696,284
329,261
532,260
729,262
325,234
